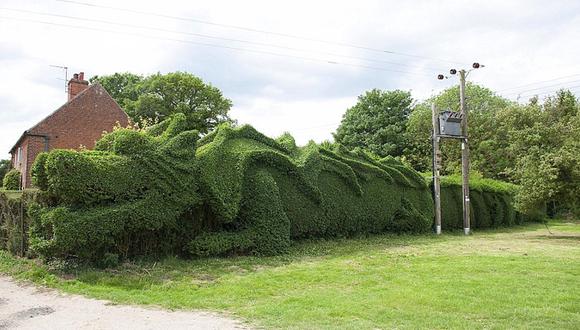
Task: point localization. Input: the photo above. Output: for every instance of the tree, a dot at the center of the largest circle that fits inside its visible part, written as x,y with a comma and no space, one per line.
536,145
483,106
418,151
4,168
159,96
377,122
510,133
123,87
546,155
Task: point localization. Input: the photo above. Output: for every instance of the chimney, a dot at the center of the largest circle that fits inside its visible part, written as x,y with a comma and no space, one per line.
76,85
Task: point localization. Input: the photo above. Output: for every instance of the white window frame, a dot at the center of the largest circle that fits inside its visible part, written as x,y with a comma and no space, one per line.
19,156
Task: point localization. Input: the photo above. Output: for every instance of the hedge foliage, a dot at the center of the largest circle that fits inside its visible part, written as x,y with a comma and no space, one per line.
234,191
11,233
11,180
14,219
263,192
130,196
491,204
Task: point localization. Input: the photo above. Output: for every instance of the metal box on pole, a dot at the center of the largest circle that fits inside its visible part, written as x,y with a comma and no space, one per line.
450,123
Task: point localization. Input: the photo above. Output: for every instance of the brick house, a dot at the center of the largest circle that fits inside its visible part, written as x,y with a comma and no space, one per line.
81,121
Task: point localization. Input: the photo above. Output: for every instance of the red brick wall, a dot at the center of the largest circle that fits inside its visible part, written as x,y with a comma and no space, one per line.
20,163
32,146
80,122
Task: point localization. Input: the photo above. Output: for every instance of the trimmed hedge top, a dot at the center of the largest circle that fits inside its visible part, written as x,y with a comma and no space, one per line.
11,180
227,154
480,184
163,190
118,198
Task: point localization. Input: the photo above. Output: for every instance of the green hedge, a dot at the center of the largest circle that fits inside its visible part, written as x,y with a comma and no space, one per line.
11,180
234,191
163,190
133,195
491,204
263,192
15,220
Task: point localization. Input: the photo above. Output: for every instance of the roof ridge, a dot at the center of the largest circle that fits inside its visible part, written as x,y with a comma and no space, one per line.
62,106
67,103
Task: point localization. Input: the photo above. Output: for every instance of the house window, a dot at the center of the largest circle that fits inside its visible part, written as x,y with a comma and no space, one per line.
19,156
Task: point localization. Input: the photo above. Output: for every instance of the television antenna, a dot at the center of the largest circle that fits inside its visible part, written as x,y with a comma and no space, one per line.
65,69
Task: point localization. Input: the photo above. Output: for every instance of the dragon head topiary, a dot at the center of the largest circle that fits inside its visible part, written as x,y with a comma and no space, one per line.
120,197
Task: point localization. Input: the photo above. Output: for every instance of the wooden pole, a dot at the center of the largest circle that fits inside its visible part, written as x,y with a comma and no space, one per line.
436,166
22,235
464,154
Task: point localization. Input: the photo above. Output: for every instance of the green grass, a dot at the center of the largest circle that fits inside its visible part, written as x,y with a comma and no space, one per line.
511,278
12,194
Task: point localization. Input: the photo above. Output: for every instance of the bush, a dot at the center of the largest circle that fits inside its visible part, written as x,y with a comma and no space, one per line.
38,174
492,203
15,219
262,192
234,191
11,180
110,260
132,196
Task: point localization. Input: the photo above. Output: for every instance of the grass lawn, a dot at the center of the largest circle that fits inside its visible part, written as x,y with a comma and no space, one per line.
511,278
13,194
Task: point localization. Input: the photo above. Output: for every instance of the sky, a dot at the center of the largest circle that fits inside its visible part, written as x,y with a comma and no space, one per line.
291,66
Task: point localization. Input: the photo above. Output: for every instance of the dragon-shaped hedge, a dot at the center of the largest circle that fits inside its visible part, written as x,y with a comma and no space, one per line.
163,190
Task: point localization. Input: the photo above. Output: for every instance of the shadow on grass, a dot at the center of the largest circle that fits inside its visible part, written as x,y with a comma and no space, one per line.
142,273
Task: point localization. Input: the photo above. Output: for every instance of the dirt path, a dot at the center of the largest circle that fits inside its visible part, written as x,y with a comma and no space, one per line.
26,307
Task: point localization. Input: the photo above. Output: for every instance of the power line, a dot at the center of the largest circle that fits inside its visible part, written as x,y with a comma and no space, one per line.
312,59
528,95
541,90
210,37
539,82
570,88
248,29
527,91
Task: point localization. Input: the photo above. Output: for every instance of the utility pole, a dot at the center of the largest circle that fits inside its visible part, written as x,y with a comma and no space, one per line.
464,153
463,136
436,167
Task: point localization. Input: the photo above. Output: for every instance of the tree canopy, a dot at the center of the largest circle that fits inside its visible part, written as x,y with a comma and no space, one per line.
545,153
158,96
483,105
377,122
535,145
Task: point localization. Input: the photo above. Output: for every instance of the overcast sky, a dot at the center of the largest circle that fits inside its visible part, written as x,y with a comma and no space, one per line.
302,71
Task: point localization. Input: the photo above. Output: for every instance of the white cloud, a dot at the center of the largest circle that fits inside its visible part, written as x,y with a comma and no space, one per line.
305,120
519,41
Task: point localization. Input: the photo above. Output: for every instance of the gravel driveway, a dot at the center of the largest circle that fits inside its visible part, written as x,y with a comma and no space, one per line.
27,307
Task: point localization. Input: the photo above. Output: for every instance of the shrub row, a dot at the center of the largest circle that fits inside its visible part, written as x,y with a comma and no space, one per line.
11,180
264,192
133,195
14,219
234,191
491,204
